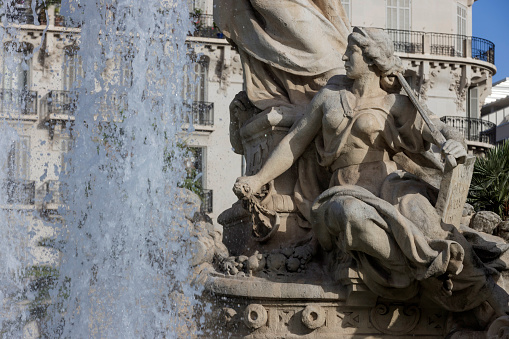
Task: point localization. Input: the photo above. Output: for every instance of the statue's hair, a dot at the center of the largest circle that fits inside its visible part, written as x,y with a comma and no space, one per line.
378,46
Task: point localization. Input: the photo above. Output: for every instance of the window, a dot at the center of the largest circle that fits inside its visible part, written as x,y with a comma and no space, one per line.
473,102
72,68
16,66
398,14
126,71
473,113
18,162
194,165
347,6
195,83
65,146
462,27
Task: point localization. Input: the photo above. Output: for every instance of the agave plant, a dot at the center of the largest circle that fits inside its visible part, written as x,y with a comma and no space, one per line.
489,190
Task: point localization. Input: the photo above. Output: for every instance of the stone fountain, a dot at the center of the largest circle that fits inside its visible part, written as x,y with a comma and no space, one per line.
347,224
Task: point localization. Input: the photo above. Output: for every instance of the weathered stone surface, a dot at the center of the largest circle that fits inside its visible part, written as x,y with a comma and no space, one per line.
276,261
253,308
468,210
384,257
485,221
454,190
502,230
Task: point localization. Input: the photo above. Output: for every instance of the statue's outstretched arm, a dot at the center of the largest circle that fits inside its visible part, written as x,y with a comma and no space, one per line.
286,153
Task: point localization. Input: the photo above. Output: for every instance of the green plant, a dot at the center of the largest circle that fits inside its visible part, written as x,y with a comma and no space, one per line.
489,189
192,181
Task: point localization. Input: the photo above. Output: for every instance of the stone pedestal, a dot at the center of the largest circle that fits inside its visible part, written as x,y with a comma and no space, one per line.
257,308
260,135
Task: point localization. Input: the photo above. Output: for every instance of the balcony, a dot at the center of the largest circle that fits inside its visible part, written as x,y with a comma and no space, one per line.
49,195
199,113
112,107
19,12
453,45
204,25
58,105
477,130
14,103
19,192
207,201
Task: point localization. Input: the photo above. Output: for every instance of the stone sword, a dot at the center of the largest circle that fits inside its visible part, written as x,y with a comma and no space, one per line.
457,175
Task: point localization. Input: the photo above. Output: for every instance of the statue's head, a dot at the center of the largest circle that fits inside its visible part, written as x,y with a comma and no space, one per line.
377,51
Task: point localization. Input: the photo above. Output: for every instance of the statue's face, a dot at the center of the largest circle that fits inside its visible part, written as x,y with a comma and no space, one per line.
355,63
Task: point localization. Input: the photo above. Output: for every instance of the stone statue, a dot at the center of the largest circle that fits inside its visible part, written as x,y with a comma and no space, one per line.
289,50
284,61
341,229
377,209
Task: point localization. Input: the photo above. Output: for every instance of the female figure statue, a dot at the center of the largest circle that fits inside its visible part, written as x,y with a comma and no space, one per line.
381,215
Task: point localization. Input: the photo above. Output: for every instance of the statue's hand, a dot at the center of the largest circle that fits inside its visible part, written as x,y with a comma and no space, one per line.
240,102
454,148
245,187
241,109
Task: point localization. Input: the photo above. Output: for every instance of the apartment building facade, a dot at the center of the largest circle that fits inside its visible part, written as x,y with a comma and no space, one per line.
40,66
496,109
447,67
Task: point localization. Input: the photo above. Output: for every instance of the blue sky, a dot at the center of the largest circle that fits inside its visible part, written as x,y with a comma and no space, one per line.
491,21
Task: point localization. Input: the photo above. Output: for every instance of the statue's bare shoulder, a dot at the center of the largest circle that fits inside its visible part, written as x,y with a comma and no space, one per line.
330,93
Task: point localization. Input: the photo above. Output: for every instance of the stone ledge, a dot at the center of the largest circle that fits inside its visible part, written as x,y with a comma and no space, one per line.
253,288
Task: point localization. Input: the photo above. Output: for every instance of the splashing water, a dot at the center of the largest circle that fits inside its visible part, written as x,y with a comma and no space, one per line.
124,270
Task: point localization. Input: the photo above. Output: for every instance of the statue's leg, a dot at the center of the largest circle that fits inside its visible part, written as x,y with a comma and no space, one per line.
357,226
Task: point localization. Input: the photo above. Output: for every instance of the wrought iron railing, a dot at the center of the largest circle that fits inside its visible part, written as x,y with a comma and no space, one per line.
483,49
204,26
112,105
18,102
19,191
407,41
207,201
473,129
442,44
19,12
59,102
200,113
49,193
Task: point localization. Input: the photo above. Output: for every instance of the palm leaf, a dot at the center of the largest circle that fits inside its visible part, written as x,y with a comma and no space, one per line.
489,189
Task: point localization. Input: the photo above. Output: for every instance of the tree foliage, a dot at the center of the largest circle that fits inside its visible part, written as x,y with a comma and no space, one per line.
489,189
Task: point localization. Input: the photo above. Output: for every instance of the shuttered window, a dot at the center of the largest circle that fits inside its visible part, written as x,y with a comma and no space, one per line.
19,159
347,6
462,27
473,102
398,14
195,86
16,67
72,69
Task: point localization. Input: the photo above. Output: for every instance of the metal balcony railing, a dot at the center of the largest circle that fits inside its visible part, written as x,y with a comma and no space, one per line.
407,41
58,102
200,113
49,193
207,202
112,106
204,26
19,191
442,44
19,12
15,102
473,129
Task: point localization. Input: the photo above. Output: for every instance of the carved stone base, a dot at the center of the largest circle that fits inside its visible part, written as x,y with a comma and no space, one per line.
256,308
237,232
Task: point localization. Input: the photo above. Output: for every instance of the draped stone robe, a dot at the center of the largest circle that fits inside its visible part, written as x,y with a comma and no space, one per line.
289,48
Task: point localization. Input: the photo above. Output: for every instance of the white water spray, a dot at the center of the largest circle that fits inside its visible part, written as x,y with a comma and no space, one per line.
125,270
